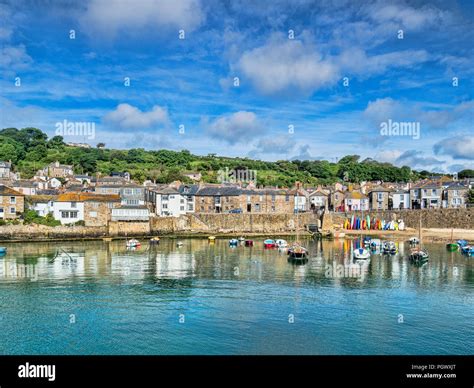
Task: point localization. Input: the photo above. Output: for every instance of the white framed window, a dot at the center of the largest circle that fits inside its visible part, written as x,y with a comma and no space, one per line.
12,210
13,200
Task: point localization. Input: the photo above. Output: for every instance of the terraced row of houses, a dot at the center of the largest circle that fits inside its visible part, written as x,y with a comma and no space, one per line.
96,200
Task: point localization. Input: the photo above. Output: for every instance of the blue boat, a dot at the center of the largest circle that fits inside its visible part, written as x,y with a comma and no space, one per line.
3,250
462,243
233,242
468,250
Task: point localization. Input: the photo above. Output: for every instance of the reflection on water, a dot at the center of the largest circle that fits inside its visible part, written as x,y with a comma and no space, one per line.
236,300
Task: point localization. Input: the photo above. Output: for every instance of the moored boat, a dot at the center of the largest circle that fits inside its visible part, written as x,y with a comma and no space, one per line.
389,247
133,243
462,243
3,251
452,247
281,243
211,239
468,250
179,244
419,255
248,243
414,240
155,240
296,251
375,244
269,243
361,254
233,242
367,241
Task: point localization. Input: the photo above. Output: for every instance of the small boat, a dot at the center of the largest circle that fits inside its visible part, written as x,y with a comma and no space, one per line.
133,243
179,244
414,240
269,243
233,242
338,234
467,250
452,247
249,243
3,251
155,240
375,244
281,243
296,251
462,243
367,241
241,238
389,247
419,255
211,239
361,254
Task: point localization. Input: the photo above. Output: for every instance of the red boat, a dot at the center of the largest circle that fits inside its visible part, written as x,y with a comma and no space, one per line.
269,244
249,243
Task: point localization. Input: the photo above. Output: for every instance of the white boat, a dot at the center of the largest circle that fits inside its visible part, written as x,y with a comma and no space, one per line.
389,247
241,238
414,240
233,242
179,244
361,254
133,243
281,243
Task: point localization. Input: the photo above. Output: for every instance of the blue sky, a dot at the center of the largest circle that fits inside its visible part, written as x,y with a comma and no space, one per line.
286,79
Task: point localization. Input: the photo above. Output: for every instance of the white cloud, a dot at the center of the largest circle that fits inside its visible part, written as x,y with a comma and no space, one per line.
237,127
126,116
355,61
414,158
405,16
14,57
286,66
461,147
113,16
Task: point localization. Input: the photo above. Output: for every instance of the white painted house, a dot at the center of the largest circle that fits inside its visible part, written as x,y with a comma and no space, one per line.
67,210
169,203
401,200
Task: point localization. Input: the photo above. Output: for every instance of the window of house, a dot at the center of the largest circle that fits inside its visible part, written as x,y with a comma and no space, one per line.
273,197
190,207
217,200
249,198
93,214
261,198
164,197
202,208
380,197
12,200
181,208
257,207
12,210
433,192
73,214
287,198
165,206
455,193
171,196
181,200
273,208
64,214
73,205
425,191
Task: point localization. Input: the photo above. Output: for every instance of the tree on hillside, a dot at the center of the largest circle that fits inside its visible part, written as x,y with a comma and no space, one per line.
466,174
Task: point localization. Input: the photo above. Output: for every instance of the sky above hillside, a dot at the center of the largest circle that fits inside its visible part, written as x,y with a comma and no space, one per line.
268,79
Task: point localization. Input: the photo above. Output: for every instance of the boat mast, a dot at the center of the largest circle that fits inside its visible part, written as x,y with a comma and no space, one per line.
419,235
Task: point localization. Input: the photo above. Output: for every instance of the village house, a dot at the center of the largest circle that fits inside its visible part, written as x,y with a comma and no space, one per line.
188,194
26,187
5,170
130,194
194,176
219,199
277,201
426,196
401,200
455,196
336,200
56,170
41,204
45,183
318,200
93,209
379,198
354,200
12,203
168,202
300,200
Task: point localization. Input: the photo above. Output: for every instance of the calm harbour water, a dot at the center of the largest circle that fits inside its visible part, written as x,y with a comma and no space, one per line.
205,298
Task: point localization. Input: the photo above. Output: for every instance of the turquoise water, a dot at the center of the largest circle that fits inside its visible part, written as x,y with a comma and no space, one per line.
99,298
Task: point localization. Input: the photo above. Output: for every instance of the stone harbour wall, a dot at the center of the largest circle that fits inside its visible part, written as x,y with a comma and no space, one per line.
430,218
